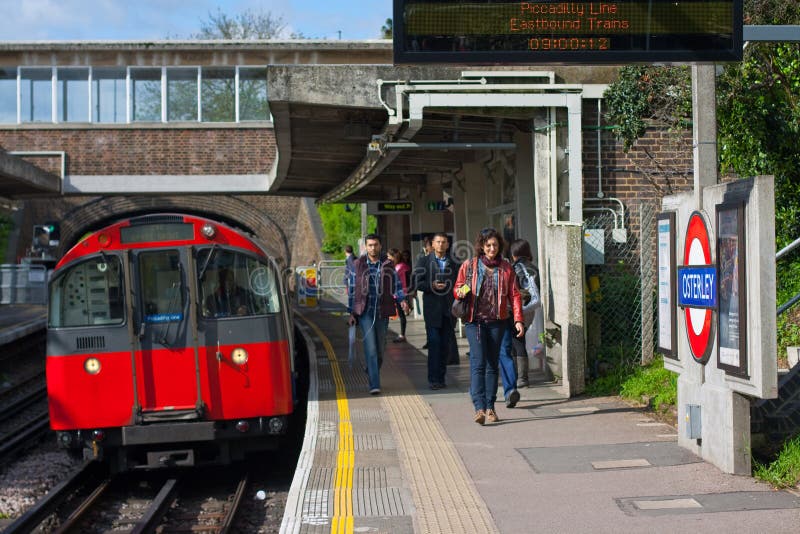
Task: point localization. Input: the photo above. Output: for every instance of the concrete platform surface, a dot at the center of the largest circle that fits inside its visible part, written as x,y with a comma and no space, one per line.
412,460
19,320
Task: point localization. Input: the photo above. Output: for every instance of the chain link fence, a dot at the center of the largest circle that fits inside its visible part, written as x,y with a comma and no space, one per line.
620,269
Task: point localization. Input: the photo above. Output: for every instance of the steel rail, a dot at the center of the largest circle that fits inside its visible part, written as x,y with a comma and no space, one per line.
28,521
31,429
227,523
78,514
10,410
153,515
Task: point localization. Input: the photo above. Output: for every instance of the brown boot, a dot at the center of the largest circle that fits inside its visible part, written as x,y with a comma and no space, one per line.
480,417
491,416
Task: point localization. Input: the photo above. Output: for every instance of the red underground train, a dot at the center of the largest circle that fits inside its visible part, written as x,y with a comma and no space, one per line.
169,343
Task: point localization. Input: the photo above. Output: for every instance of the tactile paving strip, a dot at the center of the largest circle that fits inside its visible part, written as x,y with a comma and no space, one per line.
445,496
361,442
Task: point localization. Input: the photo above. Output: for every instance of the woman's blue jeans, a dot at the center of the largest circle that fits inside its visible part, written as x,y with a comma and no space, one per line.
374,332
484,354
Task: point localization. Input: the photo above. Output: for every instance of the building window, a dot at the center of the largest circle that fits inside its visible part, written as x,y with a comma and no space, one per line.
146,95
108,95
253,105
182,94
73,95
133,94
218,95
8,95
36,91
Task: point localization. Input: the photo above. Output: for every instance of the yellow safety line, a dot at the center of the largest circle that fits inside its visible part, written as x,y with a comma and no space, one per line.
342,519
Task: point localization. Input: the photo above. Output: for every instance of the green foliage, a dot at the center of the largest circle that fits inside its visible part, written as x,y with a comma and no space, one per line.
625,377
387,29
758,124
784,472
654,383
6,225
788,334
642,94
617,301
610,367
342,227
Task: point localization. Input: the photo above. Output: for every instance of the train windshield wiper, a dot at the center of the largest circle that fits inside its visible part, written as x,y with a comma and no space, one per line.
173,308
208,260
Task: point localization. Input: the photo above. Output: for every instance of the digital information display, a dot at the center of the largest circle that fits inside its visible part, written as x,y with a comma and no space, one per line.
144,233
548,31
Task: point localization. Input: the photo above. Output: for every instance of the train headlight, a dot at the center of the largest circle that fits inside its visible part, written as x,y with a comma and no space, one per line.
98,435
239,356
104,240
91,366
208,230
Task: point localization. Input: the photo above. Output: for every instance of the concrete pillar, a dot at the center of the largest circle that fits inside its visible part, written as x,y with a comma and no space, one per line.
475,214
704,129
460,212
526,207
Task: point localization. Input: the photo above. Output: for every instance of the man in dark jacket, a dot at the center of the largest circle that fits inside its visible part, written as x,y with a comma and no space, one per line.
373,289
434,276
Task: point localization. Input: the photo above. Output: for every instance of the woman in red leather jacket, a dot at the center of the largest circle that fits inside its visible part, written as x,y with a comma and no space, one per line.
490,285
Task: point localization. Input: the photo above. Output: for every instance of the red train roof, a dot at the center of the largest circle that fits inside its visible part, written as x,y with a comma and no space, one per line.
158,230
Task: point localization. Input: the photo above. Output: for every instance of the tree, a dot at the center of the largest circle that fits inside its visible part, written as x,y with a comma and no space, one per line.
758,123
342,226
387,29
249,24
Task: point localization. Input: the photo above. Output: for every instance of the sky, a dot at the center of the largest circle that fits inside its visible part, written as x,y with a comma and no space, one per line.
88,20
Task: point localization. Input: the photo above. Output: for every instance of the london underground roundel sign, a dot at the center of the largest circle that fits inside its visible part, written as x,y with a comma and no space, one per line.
697,288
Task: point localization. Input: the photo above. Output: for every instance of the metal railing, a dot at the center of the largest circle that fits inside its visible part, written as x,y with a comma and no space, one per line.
23,284
795,299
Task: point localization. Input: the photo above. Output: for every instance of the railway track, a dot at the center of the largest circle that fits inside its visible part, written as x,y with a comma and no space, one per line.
23,395
188,501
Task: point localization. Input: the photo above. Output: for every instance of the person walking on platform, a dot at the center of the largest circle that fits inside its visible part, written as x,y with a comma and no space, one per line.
402,274
349,261
373,290
435,276
489,285
513,356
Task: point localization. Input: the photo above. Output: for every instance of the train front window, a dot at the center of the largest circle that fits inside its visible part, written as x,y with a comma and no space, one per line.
161,286
233,284
89,293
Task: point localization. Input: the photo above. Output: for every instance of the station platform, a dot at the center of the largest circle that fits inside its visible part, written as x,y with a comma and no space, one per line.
412,459
20,320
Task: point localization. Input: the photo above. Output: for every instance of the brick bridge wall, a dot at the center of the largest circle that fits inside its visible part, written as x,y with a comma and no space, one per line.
289,226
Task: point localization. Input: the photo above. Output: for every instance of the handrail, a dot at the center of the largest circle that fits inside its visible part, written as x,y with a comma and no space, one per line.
787,249
788,304
781,253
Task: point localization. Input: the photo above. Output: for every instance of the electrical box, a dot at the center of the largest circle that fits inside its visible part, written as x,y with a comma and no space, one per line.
694,428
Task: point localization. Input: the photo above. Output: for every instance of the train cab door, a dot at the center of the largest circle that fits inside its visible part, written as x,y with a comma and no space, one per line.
166,364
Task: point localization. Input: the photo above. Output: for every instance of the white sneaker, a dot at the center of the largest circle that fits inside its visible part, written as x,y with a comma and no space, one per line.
375,391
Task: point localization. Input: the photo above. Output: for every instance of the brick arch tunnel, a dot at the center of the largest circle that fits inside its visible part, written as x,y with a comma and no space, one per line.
230,210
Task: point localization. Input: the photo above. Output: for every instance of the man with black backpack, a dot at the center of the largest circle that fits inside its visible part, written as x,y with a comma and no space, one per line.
513,355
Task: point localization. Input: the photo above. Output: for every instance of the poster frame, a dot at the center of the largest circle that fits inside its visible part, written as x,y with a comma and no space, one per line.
740,370
672,353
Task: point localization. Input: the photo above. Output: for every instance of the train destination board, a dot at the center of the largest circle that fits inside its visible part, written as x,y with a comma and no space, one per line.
547,31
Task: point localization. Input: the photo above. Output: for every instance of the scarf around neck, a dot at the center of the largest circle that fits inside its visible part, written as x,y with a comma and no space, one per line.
491,263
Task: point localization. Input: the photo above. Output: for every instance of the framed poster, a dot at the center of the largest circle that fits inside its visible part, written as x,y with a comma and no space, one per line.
667,312
732,330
